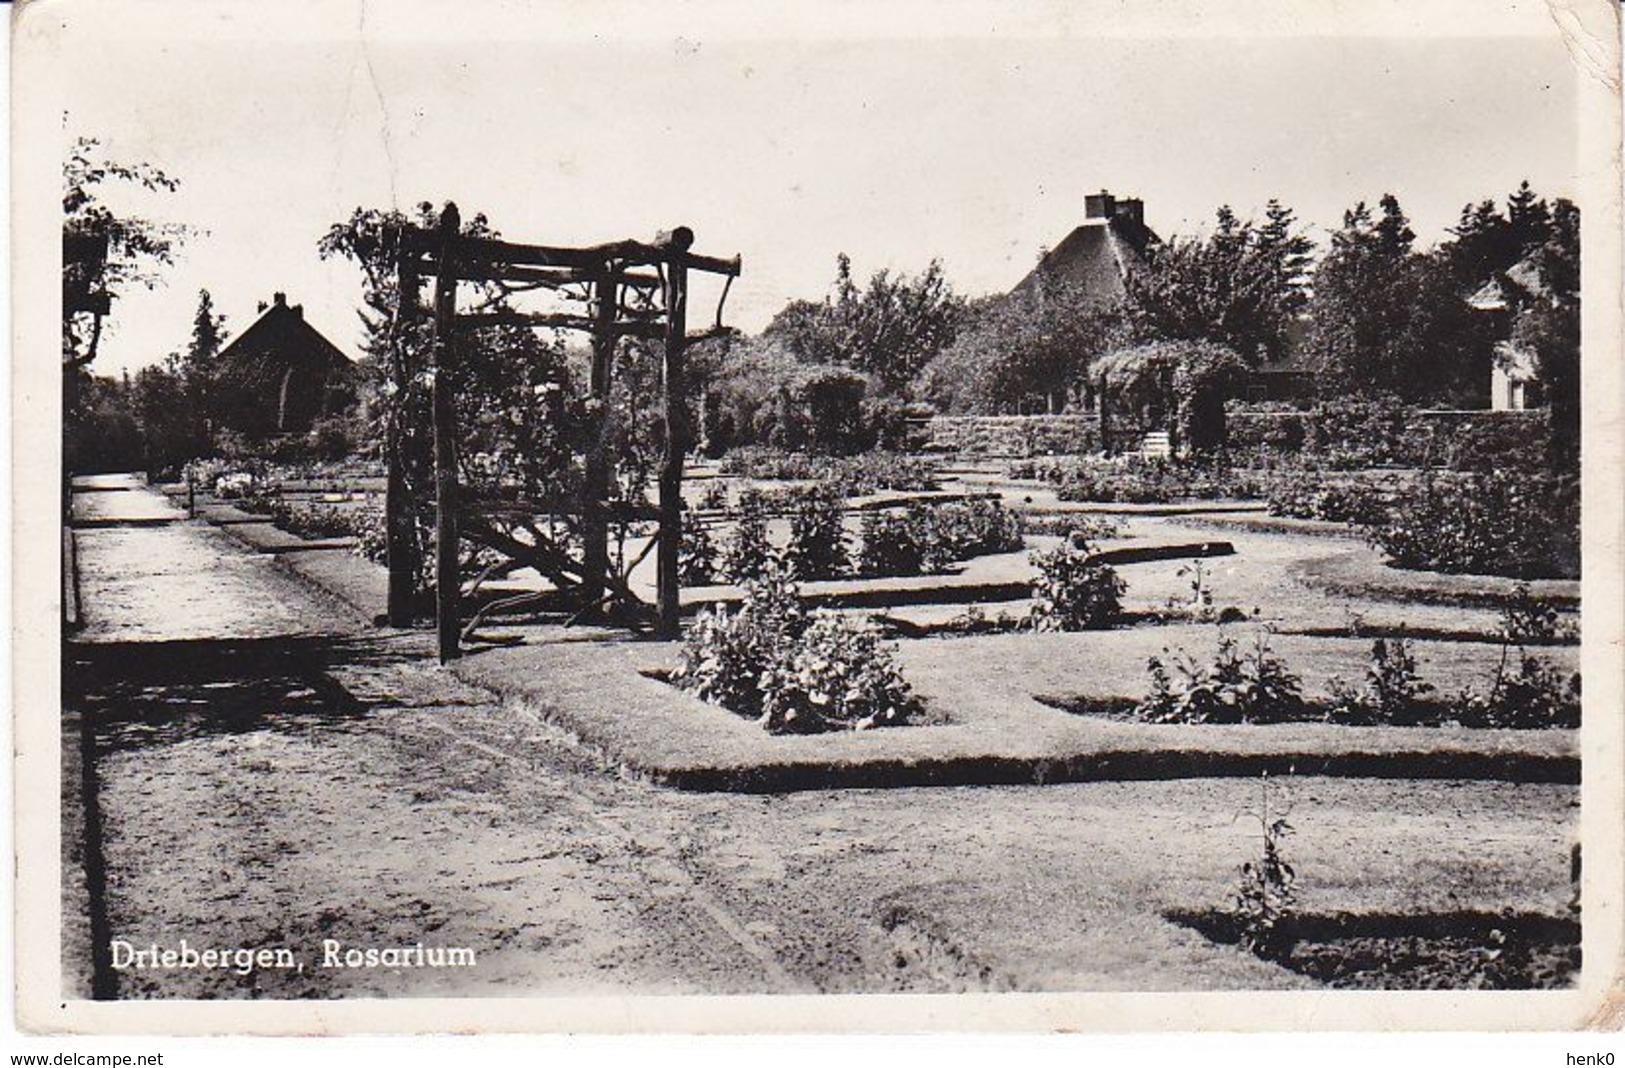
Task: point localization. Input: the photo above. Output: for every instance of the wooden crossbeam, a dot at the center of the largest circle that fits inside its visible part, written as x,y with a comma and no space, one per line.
491,271
102,304
558,320
589,258
570,510
622,301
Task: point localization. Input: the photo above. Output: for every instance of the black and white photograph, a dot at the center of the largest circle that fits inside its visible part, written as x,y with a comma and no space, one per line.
658,511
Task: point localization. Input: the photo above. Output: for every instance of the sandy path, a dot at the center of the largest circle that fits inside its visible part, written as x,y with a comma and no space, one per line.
467,825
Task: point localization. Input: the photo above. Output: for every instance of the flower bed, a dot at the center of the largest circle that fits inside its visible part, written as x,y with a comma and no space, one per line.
1253,685
794,671
1138,480
855,476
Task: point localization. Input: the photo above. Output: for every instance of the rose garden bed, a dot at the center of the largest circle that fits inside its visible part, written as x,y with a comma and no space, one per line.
984,724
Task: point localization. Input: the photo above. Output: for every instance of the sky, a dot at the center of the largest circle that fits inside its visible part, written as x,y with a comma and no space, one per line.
894,133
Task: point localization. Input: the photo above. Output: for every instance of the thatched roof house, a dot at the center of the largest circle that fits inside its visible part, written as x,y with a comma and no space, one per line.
1514,371
280,375
1097,254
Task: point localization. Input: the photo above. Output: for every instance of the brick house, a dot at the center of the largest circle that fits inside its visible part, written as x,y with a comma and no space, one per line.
281,375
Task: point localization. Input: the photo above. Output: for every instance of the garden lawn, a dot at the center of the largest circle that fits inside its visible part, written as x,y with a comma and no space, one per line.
986,725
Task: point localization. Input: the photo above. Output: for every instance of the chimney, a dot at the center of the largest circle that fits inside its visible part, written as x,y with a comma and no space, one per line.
263,306
1131,211
280,299
1098,205
299,310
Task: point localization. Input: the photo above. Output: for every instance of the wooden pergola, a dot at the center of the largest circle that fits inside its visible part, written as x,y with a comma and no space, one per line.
629,289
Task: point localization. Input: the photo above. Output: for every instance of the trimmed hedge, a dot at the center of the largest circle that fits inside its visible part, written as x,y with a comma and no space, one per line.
1363,433
1016,435
855,476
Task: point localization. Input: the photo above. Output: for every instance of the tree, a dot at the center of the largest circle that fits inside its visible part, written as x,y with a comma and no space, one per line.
115,250
104,252
158,399
1386,318
1241,286
1549,326
199,367
1022,353
890,328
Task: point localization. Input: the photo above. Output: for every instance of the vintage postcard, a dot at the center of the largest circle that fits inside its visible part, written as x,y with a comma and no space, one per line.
884,517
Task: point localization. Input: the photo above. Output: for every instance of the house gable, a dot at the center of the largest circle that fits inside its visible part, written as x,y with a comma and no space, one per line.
280,375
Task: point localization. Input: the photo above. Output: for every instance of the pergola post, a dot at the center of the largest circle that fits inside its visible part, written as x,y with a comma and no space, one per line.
636,289
401,545
677,433
448,579
595,489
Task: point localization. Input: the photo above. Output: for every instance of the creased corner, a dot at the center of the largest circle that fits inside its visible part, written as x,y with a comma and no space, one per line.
1590,32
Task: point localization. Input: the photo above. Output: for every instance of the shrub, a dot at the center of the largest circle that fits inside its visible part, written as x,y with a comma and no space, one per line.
333,437
239,485
1306,494
1252,687
715,496
891,544
314,521
1265,426
859,476
1393,694
926,537
1137,480
1526,620
1350,433
1353,432
795,671
1266,888
1486,441
981,526
1073,591
1033,436
1514,524
372,536
1533,696
817,548
747,553
763,462
697,556
833,401
726,654
854,476
1074,527
837,676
